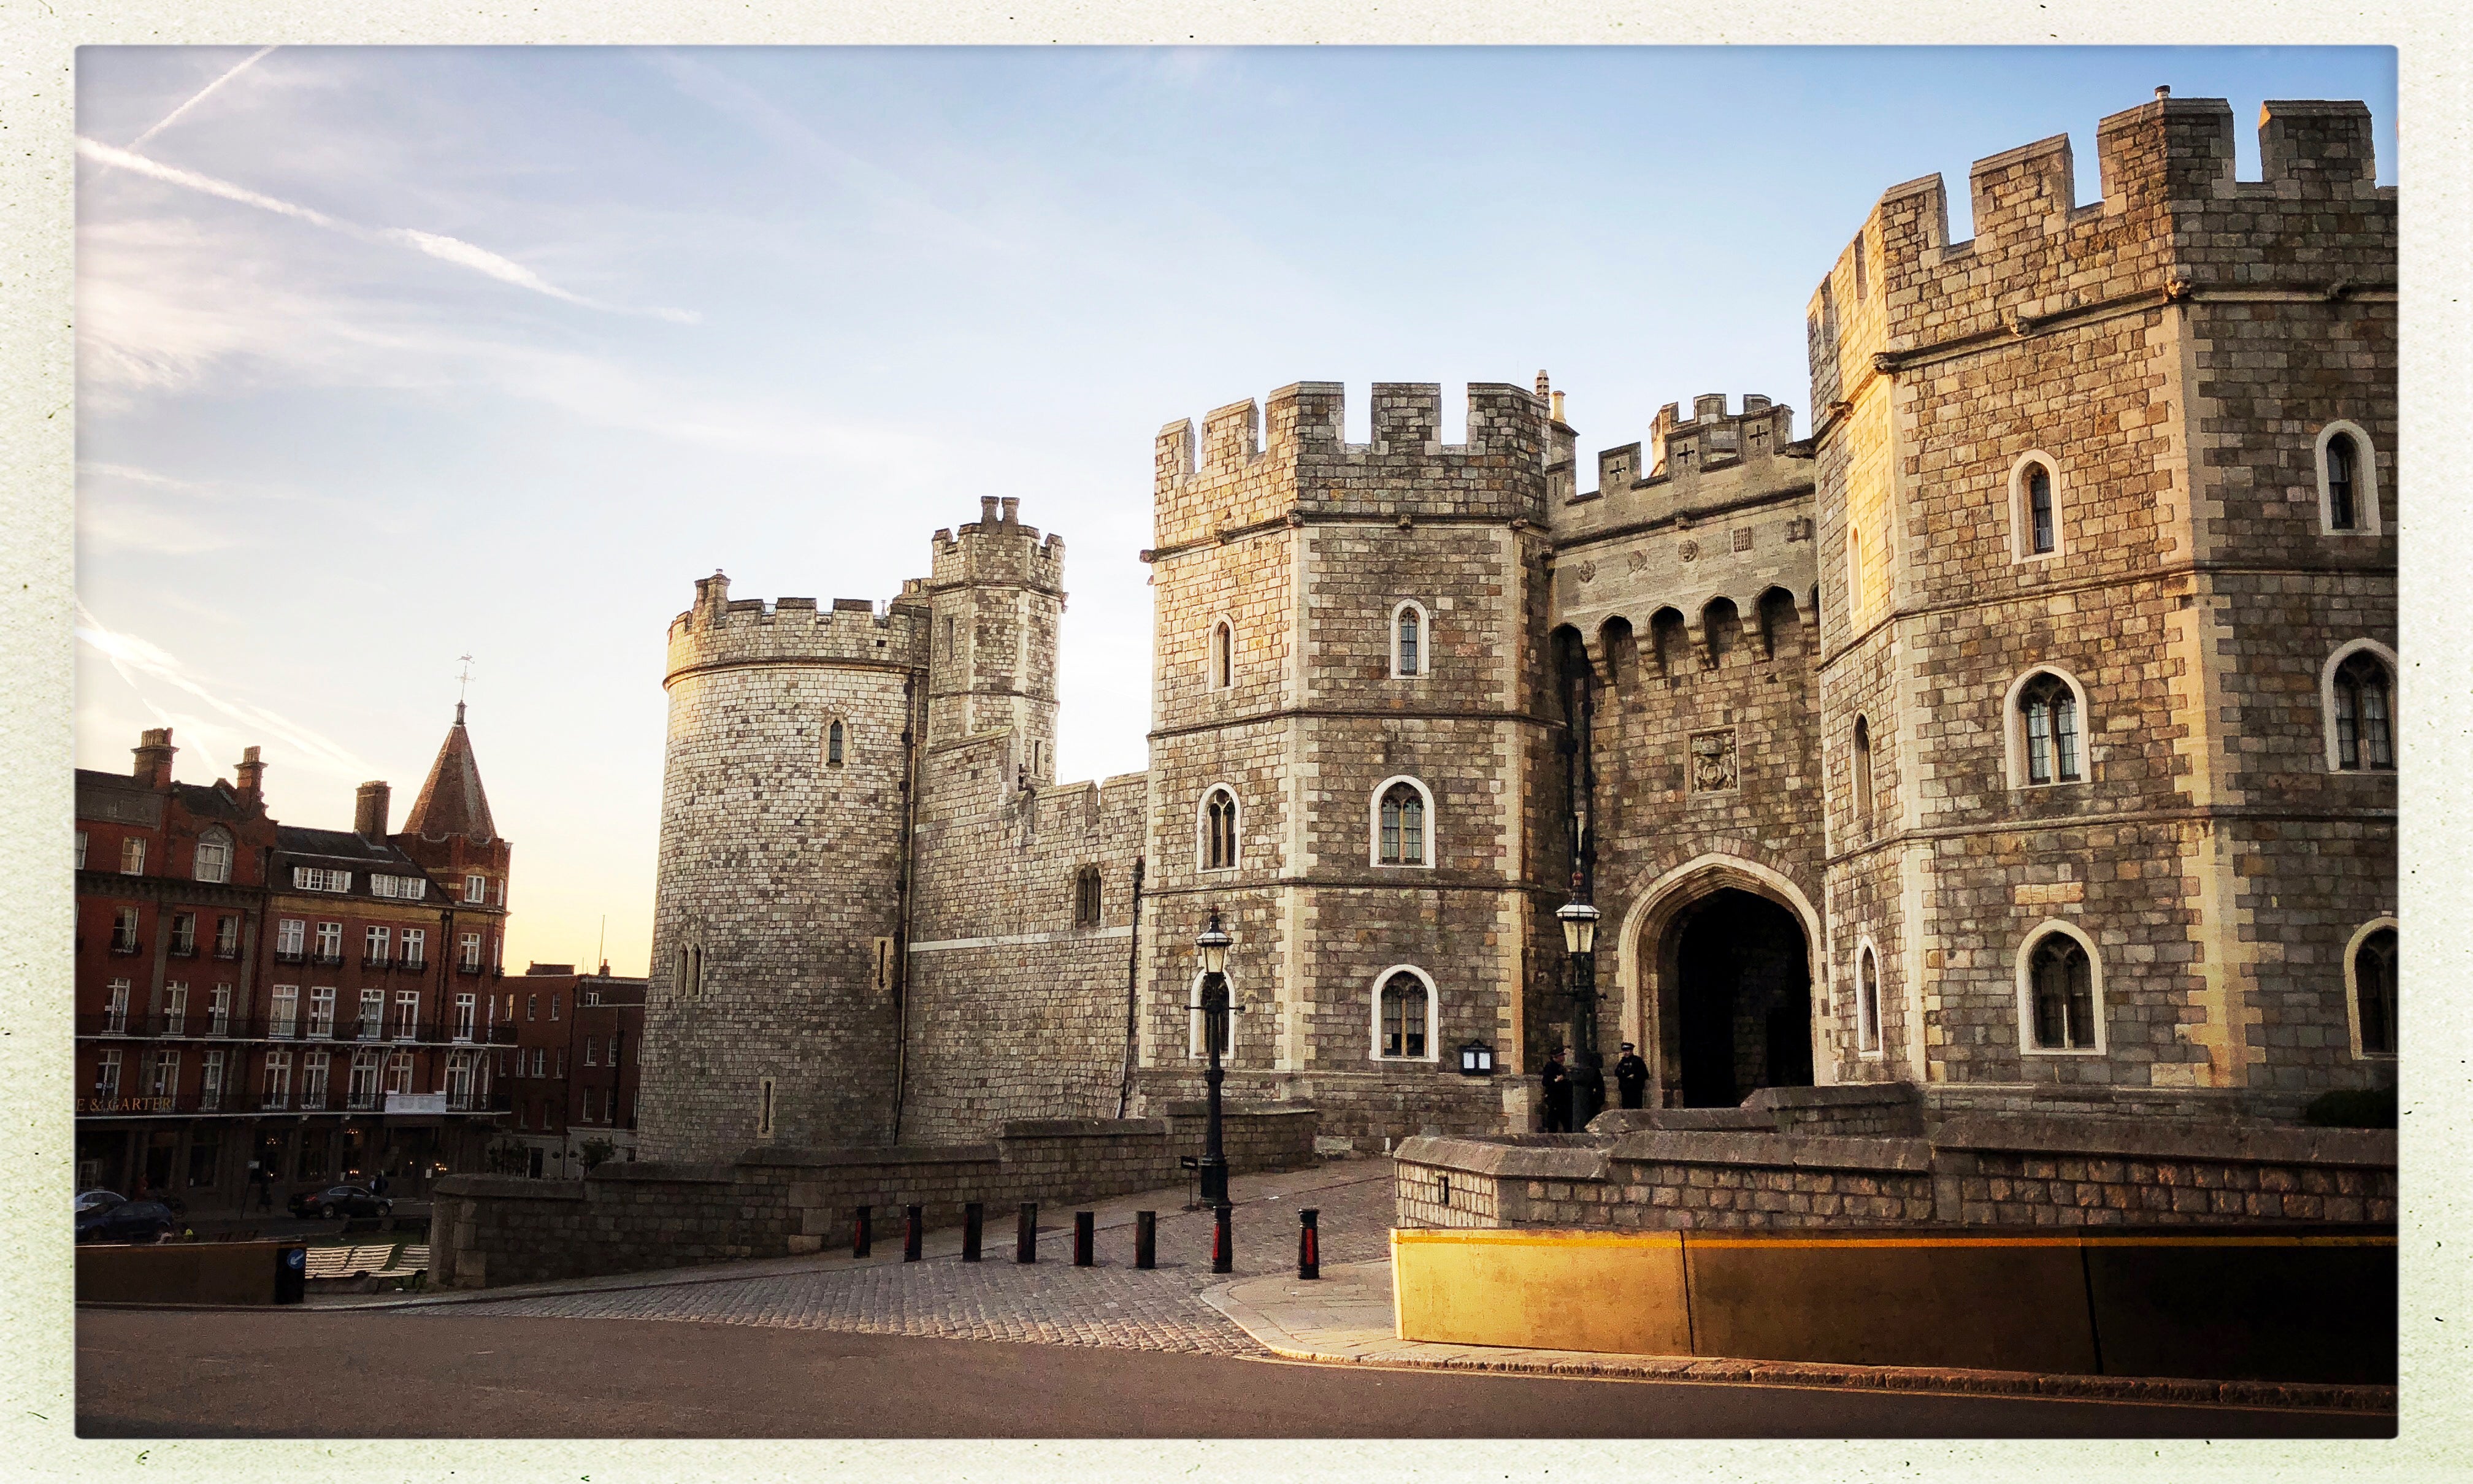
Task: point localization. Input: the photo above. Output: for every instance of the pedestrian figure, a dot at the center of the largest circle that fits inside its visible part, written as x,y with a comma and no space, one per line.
1557,1082
378,1186
1631,1076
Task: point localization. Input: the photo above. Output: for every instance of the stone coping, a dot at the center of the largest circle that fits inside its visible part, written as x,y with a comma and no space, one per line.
2142,1139
1514,1162
1775,1151
1201,1108
764,1158
1085,1128
508,1187
1845,1095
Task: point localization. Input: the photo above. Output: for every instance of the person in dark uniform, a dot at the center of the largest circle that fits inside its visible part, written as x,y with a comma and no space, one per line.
1631,1076
1558,1093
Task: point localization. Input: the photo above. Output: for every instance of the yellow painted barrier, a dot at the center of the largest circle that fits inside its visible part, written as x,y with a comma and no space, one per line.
1556,1290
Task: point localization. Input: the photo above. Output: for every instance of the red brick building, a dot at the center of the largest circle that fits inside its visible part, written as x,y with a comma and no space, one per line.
266,1003
570,1078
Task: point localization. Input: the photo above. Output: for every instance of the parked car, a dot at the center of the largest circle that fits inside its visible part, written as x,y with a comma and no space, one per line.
128,1221
97,1200
341,1200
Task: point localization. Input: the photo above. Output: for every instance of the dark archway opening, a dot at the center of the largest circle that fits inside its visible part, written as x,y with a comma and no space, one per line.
1744,999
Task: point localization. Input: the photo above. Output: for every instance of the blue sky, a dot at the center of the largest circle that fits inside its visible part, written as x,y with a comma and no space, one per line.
388,355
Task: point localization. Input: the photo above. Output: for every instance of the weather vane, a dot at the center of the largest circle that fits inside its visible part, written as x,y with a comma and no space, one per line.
462,681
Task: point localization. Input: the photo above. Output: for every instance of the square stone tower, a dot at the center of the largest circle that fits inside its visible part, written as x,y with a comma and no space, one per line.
1351,735
2105,505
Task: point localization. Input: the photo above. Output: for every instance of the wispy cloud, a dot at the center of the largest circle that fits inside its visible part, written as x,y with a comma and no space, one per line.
199,97
447,249
147,668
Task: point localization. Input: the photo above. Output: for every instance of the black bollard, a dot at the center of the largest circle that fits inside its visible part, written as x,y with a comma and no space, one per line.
1308,1243
1086,1233
972,1218
862,1231
1025,1234
1146,1239
914,1234
1223,1239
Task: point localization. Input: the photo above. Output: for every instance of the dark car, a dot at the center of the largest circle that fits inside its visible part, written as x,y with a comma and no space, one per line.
128,1221
97,1200
341,1200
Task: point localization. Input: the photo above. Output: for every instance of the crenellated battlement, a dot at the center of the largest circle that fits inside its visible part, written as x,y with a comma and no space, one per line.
2173,222
1255,462
996,548
718,630
1689,467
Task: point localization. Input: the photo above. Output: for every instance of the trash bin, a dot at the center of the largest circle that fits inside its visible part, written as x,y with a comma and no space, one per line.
291,1273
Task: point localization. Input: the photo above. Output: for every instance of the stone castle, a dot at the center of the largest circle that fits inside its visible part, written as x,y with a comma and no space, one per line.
2023,734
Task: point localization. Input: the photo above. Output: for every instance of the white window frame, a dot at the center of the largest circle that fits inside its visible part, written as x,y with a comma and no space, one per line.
476,888
220,872
2366,481
360,1084
1374,825
314,1066
227,936
219,1003
318,878
2026,955
106,1073
210,1081
1213,672
416,948
592,1050
163,1074
372,1020
2014,729
407,1014
1877,1048
1202,828
2022,514
378,943
2353,995
1433,1018
330,940
291,936
132,855
175,1009
1194,1049
2395,703
283,1011
274,1081
399,1072
468,954
321,1012
115,1007
1425,640
466,1015
80,849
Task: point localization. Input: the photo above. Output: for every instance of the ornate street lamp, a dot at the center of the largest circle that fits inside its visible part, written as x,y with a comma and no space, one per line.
1579,922
1212,948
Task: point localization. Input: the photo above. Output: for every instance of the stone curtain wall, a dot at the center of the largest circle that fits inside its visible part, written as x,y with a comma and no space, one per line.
782,870
2173,351
1015,1010
1980,1172
491,1231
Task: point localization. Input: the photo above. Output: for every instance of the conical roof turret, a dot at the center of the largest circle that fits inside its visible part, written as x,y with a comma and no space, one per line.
451,801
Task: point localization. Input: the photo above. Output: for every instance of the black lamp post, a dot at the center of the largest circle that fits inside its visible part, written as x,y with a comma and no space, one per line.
1579,922
1211,948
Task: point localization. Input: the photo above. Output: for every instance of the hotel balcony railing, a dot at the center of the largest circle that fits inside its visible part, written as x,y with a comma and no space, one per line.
299,1030
182,949
334,960
377,961
229,955
122,946
290,956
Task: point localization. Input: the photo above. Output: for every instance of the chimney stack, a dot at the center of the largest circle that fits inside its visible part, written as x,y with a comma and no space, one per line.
987,510
1558,406
1011,504
370,811
154,751
251,776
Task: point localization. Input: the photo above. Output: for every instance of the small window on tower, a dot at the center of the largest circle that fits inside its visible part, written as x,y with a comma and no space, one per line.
833,744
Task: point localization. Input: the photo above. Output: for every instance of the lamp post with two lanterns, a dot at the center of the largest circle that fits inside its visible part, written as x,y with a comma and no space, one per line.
1211,948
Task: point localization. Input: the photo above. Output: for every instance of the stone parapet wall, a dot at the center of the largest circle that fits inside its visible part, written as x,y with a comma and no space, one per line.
1978,1172
490,1230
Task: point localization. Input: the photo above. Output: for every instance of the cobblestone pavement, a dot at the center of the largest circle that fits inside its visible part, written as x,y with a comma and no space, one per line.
1112,1305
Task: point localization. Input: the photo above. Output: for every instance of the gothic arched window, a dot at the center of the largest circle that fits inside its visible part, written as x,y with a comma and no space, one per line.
1086,896
1867,1001
1223,655
2363,740
834,743
1407,640
2048,708
1404,1008
2060,988
1403,826
2374,991
1862,764
2039,509
1219,830
2342,512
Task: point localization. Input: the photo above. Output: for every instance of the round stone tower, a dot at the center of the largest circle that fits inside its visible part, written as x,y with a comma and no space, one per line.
772,1013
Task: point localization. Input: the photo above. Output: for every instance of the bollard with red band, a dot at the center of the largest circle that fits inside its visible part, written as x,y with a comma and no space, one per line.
1308,1243
1086,1234
914,1234
1223,1239
862,1232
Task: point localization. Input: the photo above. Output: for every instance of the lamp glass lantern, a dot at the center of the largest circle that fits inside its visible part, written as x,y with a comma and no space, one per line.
1579,922
1213,945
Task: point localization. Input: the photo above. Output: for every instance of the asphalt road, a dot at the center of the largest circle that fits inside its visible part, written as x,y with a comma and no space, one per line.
159,1373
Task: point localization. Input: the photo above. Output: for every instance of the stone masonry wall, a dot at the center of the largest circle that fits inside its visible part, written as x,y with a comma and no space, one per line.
491,1231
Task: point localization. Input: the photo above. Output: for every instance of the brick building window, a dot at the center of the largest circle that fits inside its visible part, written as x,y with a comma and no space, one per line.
378,947
407,1014
185,934
213,862
592,1050
399,1072
1403,1025
283,1010
2370,966
219,1002
210,1082
175,1009
164,1075
2061,995
1219,821
106,1074
115,1011
1086,896
124,931
466,1015
228,938
372,1014
313,1078
1867,1001
1402,811
321,1012
132,856
330,943
363,1091
289,933
80,849
2348,481
2046,730
416,948
1223,655
1408,645
2359,698
469,958
1863,770
2034,508
275,1091
834,744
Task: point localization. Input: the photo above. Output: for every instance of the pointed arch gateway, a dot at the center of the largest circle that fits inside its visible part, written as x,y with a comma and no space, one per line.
1720,975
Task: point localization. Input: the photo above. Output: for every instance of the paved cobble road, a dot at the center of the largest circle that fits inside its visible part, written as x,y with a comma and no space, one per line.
1112,1305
